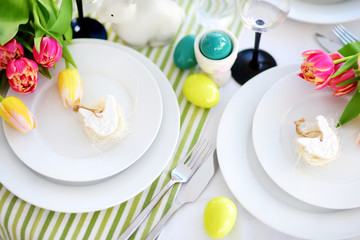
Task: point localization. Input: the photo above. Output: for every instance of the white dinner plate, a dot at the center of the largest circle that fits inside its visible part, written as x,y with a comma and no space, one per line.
251,185
333,185
59,147
37,190
332,13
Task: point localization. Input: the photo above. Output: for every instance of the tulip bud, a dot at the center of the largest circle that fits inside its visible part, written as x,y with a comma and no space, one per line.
70,87
14,111
22,75
11,50
50,52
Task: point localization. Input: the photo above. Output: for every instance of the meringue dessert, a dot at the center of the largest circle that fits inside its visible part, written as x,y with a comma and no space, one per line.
317,143
103,120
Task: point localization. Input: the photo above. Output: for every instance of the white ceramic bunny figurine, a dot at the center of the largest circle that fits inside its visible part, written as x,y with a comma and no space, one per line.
142,22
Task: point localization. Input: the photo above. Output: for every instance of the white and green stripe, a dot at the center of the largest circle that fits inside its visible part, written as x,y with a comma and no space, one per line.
21,220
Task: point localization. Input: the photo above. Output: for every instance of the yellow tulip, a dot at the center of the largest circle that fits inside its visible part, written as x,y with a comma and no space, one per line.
14,111
70,87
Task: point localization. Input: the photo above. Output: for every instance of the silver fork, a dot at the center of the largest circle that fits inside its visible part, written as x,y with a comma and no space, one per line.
344,35
180,174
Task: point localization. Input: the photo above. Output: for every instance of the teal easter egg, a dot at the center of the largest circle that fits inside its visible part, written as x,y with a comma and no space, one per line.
184,55
215,45
201,91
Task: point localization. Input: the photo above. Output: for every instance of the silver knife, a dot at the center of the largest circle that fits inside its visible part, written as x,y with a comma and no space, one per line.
328,44
189,192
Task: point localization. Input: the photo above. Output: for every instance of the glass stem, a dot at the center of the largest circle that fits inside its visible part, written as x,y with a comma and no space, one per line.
254,63
80,8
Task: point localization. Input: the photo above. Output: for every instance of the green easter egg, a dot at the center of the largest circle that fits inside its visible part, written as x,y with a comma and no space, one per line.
219,217
215,45
201,91
184,55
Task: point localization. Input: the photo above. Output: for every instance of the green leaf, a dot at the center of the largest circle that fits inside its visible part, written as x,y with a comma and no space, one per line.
37,39
63,21
41,31
67,56
68,35
54,6
350,63
47,11
39,13
26,29
45,71
350,49
3,80
11,16
24,43
351,111
349,81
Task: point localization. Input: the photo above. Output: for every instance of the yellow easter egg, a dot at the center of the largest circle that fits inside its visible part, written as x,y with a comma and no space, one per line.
201,91
219,217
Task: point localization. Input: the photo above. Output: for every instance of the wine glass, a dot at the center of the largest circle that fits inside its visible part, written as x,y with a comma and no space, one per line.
260,16
85,27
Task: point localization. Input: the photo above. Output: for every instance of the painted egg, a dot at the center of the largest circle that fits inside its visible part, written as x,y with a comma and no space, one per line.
215,45
219,217
184,55
201,91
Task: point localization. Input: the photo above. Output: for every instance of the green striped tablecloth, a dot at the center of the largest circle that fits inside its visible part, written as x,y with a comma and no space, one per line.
21,220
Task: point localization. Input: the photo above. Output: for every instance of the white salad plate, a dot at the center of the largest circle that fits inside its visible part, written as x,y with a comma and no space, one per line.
251,185
331,13
333,185
42,192
59,148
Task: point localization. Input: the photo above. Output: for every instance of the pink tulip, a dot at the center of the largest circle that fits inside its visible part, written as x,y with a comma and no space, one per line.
22,74
342,90
11,50
318,67
50,52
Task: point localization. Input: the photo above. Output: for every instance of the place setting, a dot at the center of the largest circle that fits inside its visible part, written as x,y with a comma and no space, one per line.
72,166
308,195
268,162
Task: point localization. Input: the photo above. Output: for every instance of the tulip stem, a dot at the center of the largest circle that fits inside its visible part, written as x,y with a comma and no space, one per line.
341,60
67,64
1,98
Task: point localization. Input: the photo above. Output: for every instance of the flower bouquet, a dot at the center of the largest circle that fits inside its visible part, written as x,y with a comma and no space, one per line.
339,71
34,35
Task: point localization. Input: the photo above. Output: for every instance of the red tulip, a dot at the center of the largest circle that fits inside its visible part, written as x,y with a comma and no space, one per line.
50,52
11,50
22,74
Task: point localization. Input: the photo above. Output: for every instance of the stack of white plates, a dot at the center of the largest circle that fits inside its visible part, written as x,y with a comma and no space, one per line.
56,166
324,11
308,202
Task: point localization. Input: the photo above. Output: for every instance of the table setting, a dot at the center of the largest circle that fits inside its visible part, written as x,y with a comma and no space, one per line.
203,148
